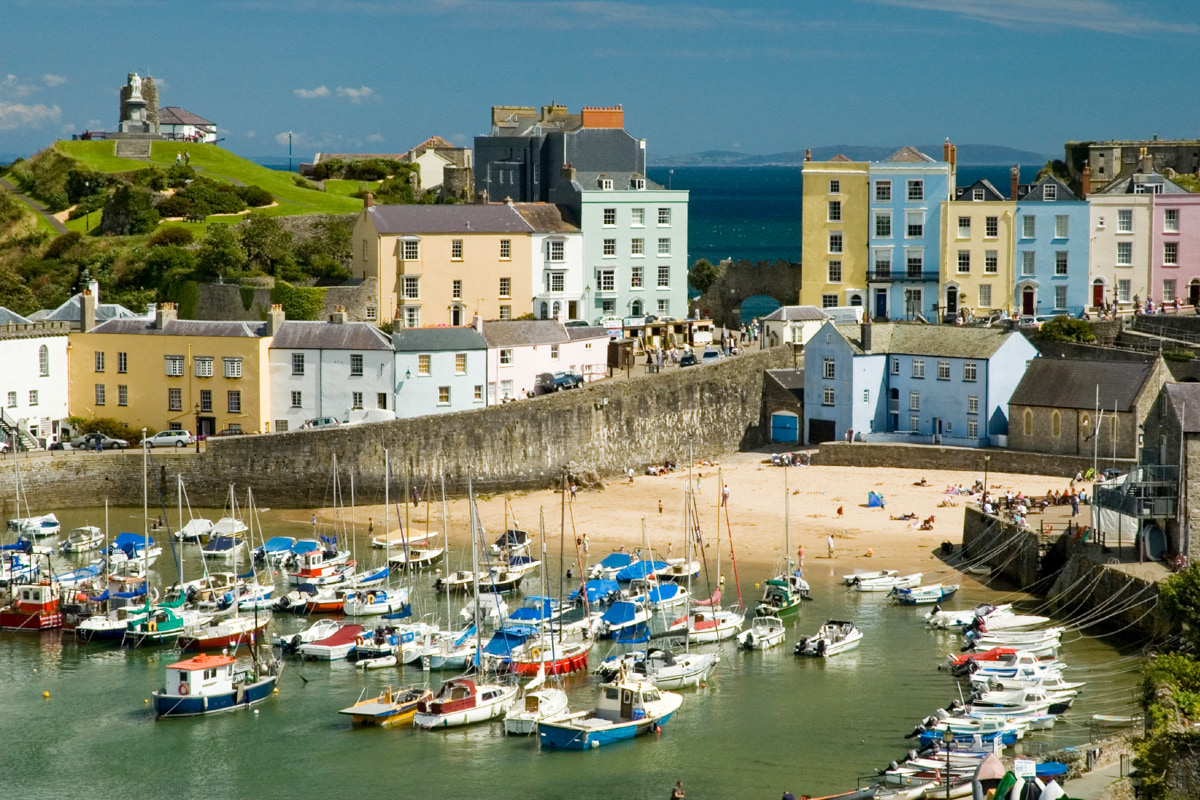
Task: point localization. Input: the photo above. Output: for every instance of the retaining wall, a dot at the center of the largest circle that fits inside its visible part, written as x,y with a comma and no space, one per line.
910,456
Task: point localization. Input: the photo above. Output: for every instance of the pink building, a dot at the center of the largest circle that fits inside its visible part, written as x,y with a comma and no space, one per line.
1175,248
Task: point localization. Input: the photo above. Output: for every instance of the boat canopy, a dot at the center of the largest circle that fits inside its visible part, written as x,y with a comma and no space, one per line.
519,561
616,561
534,610
220,544
130,543
620,613
597,590
22,544
513,537
664,593
304,546
507,639
641,569
278,544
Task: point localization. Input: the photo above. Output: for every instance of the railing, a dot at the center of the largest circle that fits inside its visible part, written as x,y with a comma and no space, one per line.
897,276
1148,491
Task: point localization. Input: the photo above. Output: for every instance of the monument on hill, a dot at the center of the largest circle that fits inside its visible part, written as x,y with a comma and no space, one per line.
139,106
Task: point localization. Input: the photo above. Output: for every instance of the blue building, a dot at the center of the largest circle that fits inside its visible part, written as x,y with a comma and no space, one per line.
1051,249
914,383
439,370
907,190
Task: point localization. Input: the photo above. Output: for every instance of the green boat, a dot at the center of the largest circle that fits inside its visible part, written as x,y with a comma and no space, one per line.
162,623
782,595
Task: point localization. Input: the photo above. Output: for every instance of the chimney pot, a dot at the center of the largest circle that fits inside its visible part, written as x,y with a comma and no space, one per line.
275,319
368,200
808,154
1086,183
1015,175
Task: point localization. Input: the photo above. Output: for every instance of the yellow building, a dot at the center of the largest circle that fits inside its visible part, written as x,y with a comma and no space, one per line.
977,253
834,254
441,265
173,374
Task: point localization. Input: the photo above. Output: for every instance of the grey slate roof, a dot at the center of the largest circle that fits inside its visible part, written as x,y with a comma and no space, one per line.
1128,181
1071,383
577,332
1185,401
464,219
946,341
184,327
1037,192
796,314
622,181
523,332
990,192
302,335
69,312
174,115
7,317
909,155
790,379
428,340
547,217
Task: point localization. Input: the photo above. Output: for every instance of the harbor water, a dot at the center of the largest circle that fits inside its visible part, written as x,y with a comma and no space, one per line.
764,723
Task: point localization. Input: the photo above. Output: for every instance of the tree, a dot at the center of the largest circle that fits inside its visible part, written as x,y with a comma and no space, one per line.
1065,329
267,244
703,275
129,211
221,252
168,264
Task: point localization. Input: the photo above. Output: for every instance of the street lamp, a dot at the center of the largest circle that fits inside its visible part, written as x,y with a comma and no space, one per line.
87,219
986,461
197,427
947,737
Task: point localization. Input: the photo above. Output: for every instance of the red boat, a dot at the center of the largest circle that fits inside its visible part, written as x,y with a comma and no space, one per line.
229,633
37,607
995,654
561,659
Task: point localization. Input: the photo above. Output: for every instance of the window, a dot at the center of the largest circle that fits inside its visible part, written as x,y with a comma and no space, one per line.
1060,297
883,226
423,363
460,364
1060,262
835,271
991,227
233,367
478,396
412,250
914,401
914,264
829,300
123,395
883,191
970,370
607,280
835,211
610,248
943,370
635,310
1028,422
412,317
99,394
828,368
664,277
1028,262
866,396
835,241
506,287
456,290
991,261
835,186
99,362
606,184
206,400
203,366
964,227
122,362
1124,220
916,190
506,357
637,247
1124,290
506,388
456,250
44,361
639,217
639,183
297,399
234,401
973,404
635,277
412,287
918,368
1171,253
175,365
972,428
12,399
443,395
356,400
827,396
554,352
964,260
557,251
381,400
977,195
914,424
174,399
1168,293
1028,226
883,264
985,295
297,363
895,366
664,308
1062,226
610,217
1171,220
914,224
1050,192
664,216
281,426
664,247
506,249
356,365
1124,254
505,312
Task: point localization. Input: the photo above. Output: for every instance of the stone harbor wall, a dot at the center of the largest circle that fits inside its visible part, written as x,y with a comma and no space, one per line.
910,456
227,301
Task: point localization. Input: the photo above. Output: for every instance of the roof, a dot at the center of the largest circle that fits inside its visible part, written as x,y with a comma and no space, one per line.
1134,181
409,340
465,219
790,379
522,332
1185,401
945,341
205,661
578,332
622,180
298,335
528,122
436,143
1037,192
184,327
174,115
796,314
909,155
1071,383
546,217
841,159
70,312
990,192
7,316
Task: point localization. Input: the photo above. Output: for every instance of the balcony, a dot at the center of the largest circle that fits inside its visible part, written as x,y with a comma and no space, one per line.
1149,491
902,276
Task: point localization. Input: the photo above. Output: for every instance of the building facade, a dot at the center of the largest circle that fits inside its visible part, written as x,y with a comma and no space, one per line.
1175,248
520,350
835,210
977,252
1051,250
33,382
439,370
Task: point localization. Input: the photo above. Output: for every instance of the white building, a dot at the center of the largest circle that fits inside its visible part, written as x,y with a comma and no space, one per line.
182,125
328,369
791,325
556,251
33,380
520,350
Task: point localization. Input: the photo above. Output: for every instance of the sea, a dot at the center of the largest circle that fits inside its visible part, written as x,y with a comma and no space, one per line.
79,723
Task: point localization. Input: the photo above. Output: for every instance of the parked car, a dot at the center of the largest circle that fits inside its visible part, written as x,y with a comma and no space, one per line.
321,422
1028,321
231,432
170,439
3,447
710,356
88,442
557,381
688,360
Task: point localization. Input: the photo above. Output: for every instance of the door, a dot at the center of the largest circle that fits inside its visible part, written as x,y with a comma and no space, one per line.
881,303
206,426
572,309
821,430
913,298
1098,294
1027,302
1194,293
785,427
456,315
951,300
937,430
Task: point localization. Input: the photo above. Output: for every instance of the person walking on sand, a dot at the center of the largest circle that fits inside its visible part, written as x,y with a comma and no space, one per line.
725,495
660,507
829,544
573,491
841,511
699,480
630,474
800,553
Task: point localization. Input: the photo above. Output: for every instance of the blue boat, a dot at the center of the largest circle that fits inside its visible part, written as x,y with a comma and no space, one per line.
505,640
534,611
210,684
622,615
277,547
627,707
608,568
131,544
640,569
599,591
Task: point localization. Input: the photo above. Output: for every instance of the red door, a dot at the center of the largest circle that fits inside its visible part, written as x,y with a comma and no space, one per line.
1098,294
1027,304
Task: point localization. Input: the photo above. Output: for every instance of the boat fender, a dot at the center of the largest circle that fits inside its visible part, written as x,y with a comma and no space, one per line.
152,626
183,689
359,640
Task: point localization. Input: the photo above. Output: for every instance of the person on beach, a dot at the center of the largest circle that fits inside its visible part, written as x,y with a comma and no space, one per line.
725,495
699,480
841,511
660,508
800,553
829,544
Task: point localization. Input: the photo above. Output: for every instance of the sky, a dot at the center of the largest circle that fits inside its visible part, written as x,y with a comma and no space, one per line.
757,76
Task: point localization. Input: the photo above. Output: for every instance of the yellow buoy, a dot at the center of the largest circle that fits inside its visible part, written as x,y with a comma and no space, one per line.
275,690
46,695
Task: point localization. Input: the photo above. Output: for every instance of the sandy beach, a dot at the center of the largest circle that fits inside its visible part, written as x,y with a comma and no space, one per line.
864,538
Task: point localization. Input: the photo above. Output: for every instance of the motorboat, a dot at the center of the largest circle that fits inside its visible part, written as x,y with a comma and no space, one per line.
321,629
375,602
209,684
229,633
195,530
416,555
462,701
664,596
621,616
207,589
228,526
225,547
391,707
35,607
678,569
1021,701
850,580
886,584
704,625
492,608
82,540
782,595
835,636
627,707
133,547
669,670
924,595
91,574
1050,680
763,633
535,611
537,703
640,570
40,526
321,567
275,549
334,647
608,567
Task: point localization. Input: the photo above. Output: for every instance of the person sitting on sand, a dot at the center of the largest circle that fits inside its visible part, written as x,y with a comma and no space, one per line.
921,482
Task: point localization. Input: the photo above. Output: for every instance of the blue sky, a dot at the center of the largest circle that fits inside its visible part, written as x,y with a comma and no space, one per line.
758,76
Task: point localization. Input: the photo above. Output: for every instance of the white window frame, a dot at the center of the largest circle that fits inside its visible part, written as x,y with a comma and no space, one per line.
202,366
233,367
664,217
1170,220
914,190
1124,220
1062,226
918,368
883,191
664,247
829,368
828,395
175,366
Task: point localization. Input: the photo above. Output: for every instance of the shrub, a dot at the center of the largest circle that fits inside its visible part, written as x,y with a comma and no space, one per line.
1065,329
171,235
87,205
298,302
178,175
153,178
83,183
255,196
62,244
176,206
129,211
305,183
169,264
221,252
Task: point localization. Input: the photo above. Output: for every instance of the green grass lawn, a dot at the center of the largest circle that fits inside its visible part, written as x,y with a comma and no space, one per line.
344,188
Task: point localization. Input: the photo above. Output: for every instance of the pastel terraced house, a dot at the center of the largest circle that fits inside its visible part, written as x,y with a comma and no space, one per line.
1051,248
836,210
977,260
1175,248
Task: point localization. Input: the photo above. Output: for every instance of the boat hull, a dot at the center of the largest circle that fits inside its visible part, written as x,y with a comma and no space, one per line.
560,666
166,705
565,736
15,621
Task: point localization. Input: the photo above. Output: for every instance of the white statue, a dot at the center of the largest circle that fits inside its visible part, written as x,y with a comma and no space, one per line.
135,86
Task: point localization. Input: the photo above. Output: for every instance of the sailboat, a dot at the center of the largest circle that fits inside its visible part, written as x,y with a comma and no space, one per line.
783,594
378,600
538,703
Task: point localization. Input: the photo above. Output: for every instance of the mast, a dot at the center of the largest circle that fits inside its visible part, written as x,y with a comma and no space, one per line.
787,522
387,535
446,550
145,522
474,564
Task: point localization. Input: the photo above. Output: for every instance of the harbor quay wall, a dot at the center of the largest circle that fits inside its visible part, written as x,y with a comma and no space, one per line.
1012,553
601,430
969,459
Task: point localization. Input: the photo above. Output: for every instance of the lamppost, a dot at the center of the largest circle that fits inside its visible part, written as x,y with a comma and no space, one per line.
947,738
986,461
197,427
87,219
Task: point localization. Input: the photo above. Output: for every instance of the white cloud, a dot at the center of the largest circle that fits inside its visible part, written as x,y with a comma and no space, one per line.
355,95
375,137
250,134
308,94
1104,16
19,115
53,80
295,138
13,87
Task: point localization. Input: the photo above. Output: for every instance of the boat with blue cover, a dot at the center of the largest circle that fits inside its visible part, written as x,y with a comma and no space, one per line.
210,684
623,615
640,570
600,591
924,595
609,566
628,707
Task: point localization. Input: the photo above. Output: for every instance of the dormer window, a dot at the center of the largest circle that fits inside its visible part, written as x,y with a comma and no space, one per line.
1050,192
606,184
639,183
977,195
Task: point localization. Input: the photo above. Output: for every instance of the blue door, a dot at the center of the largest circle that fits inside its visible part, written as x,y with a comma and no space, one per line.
785,427
881,296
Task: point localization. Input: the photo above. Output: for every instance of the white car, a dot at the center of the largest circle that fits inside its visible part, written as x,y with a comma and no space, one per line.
170,439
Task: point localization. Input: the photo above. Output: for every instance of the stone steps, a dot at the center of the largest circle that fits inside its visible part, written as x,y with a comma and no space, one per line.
133,148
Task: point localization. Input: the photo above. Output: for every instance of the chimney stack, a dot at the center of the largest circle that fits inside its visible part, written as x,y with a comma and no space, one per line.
946,150
165,313
477,324
481,198
953,157
568,172
87,310
275,318
808,154
368,200
866,334
1087,180
1015,175
338,317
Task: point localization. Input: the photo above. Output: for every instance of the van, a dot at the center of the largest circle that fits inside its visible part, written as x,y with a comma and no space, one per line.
845,315
361,415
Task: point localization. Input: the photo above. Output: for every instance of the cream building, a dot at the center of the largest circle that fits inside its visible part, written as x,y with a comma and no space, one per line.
834,232
977,252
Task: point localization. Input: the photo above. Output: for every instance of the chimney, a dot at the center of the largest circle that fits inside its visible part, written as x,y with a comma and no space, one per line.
94,288
275,318
338,317
1087,180
568,172
481,198
946,150
163,314
953,157
866,335
1015,178
368,200
808,154
87,310
477,324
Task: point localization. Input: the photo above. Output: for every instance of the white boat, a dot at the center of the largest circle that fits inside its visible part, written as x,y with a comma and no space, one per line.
850,580
44,525
627,707
537,702
763,633
228,526
491,608
195,530
706,625
1029,699
835,636
416,556
208,589
678,569
623,615
334,647
82,540
321,629
226,547
1050,680
462,701
668,670
928,595
886,584
374,602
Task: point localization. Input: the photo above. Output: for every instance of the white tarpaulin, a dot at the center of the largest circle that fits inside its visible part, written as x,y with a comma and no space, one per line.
1113,528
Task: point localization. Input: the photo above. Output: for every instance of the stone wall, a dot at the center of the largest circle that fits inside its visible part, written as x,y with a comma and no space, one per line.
916,456
1012,553
608,427
742,279
224,301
